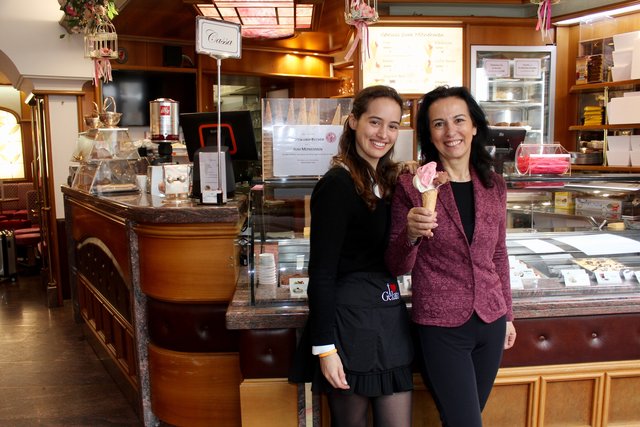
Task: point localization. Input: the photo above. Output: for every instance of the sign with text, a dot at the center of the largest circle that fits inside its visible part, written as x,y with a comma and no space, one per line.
220,39
527,68
414,59
304,150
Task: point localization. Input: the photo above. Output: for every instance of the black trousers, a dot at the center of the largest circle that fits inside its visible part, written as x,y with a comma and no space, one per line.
459,366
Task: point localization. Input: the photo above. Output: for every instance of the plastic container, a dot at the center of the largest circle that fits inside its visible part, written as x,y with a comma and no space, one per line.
542,159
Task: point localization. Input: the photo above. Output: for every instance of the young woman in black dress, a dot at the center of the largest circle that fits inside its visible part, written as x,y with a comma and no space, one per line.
358,322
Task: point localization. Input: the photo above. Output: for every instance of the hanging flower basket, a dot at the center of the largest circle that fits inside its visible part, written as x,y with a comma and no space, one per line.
82,16
360,14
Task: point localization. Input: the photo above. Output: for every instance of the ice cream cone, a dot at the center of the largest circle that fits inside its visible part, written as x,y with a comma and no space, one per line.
429,199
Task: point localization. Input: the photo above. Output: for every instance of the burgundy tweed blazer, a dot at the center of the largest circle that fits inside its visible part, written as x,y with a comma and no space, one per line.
450,277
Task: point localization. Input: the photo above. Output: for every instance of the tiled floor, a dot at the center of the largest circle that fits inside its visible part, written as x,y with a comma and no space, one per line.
49,375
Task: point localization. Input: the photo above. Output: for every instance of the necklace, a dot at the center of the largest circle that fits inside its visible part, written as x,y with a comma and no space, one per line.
465,178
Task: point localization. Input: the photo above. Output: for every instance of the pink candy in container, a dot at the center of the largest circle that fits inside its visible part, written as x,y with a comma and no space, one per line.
541,159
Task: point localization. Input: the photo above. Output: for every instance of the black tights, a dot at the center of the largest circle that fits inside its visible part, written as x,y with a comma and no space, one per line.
392,410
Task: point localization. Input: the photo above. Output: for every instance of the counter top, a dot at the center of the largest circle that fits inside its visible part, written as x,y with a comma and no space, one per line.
145,208
527,304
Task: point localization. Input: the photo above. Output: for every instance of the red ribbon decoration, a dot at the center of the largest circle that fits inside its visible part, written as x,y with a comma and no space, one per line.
102,70
362,36
544,17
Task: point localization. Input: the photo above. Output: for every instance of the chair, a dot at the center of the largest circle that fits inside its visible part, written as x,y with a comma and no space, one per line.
28,238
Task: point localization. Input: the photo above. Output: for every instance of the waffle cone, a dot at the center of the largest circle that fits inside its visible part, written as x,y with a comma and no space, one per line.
429,199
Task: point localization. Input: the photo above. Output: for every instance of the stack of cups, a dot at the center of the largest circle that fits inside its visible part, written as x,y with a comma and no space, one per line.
267,269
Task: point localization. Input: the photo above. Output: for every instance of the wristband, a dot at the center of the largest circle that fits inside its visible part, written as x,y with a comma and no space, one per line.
328,353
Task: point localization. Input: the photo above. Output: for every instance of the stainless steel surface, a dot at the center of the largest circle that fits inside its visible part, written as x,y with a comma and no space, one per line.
164,114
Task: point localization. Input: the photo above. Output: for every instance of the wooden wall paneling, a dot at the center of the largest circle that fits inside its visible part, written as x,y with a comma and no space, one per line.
622,400
571,399
513,401
424,412
279,410
195,389
88,222
188,262
512,32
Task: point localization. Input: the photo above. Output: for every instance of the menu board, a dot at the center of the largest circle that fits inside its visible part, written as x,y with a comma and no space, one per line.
413,59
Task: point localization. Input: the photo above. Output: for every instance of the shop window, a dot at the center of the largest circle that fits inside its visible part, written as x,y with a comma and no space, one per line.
11,155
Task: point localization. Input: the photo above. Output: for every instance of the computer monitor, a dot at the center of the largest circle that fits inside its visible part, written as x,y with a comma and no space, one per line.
201,130
506,141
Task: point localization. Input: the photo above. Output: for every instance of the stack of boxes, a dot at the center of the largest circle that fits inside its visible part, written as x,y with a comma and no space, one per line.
626,56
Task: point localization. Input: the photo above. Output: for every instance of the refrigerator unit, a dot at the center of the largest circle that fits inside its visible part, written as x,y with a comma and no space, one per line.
515,87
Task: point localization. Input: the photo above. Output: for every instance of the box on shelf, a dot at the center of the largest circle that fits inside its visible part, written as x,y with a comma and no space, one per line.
564,200
618,143
621,72
622,57
618,158
623,110
635,158
635,142
589,69
625,41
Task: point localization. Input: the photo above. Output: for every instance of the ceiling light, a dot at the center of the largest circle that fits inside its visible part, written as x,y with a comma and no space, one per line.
599,15
266,19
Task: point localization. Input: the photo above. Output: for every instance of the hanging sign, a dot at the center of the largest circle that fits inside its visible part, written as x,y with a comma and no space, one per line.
527,68
220,39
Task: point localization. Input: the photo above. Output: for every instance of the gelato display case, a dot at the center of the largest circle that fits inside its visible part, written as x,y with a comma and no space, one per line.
515,87
108,162
567,235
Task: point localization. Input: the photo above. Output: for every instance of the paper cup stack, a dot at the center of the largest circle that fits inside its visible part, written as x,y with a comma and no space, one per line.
267,274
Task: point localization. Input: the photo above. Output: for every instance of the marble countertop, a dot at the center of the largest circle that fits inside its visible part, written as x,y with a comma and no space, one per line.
145,208
527,304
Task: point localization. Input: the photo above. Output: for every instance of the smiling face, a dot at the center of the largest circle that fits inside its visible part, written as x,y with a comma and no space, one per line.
451,129
376,129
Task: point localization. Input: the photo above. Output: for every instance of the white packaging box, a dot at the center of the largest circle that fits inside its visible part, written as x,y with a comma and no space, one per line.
622,57
635,60
623,110
621,72
635,142
635,158
618,158
619,143
625,40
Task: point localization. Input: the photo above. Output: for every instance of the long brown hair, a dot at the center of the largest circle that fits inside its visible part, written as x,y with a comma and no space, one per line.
361,171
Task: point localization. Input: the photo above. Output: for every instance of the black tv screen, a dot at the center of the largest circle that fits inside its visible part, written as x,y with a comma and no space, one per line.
200,130
132,91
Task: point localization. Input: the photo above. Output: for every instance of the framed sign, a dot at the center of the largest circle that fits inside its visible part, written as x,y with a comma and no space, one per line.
220,39
414,59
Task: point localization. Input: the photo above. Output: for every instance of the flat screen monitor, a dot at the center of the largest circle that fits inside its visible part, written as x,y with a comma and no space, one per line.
506,141
201,130
132,91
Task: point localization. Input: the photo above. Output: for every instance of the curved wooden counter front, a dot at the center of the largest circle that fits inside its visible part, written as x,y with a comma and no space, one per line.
152,284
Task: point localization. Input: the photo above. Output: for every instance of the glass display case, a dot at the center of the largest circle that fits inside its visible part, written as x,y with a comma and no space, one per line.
515,87
566,234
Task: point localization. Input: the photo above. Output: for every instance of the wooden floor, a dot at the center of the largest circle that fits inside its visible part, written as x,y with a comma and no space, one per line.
49,375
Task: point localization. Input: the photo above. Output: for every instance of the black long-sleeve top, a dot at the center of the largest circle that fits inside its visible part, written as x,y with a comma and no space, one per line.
346,237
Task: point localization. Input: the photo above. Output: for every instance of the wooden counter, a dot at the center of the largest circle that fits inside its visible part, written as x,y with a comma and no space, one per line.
152,283
576,361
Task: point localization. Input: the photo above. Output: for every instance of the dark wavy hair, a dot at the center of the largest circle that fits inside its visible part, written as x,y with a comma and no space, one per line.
361,171
480,159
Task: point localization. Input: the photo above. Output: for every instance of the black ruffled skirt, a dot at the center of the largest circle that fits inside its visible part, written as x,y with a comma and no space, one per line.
372,335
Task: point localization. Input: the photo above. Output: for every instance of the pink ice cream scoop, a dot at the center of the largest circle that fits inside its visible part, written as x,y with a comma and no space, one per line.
426,181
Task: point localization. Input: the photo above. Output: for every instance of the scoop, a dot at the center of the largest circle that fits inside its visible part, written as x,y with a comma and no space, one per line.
427,181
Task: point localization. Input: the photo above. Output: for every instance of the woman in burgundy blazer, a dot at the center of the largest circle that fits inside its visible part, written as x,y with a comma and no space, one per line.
457,256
